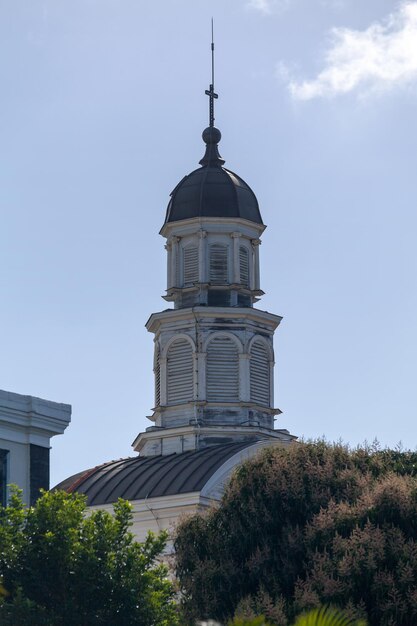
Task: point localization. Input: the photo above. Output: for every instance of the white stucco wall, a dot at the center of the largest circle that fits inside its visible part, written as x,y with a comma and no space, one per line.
26,420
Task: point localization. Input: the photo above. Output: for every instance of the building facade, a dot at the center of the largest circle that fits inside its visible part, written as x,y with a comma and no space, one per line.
26,427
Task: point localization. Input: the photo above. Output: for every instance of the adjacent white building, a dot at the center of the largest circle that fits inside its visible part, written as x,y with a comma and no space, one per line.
26,427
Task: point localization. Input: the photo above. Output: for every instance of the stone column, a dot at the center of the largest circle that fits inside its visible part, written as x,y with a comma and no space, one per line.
256,282
236,257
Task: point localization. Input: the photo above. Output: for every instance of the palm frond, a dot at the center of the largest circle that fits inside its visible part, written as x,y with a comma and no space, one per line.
327,616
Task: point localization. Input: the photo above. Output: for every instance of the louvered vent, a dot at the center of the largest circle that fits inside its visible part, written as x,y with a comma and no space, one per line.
157,371
218,264
180,376
190,265
244,265
218,297
222,370
259,374
243,300
188,299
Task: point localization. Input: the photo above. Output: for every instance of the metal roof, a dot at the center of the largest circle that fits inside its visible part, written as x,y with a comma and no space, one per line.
212,190
143,477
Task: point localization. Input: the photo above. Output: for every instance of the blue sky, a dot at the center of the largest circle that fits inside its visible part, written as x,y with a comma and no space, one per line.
102,110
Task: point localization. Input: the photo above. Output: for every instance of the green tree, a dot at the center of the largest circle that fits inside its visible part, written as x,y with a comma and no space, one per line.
62,566
306,526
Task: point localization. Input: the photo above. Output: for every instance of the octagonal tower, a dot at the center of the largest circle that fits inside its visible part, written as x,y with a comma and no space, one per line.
214,356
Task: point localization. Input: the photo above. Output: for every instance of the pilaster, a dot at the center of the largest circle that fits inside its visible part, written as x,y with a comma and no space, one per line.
257,278
174,261
244,376
201,375
163,383
236,261
202,256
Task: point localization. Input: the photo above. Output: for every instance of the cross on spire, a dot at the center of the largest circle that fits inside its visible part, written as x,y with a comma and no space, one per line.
210,92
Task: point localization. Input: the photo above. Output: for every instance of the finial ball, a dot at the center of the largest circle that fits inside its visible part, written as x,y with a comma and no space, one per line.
211,135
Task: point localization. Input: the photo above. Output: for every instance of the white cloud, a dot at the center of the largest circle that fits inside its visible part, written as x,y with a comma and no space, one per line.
282,72
267,6
264,6
380,57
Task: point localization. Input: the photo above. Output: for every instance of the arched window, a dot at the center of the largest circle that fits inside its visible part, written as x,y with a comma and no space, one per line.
222,370
244,265
219,274
260,375
190,263
180,372
157,372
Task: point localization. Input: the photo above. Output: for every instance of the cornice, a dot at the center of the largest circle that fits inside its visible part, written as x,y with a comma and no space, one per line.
202,313
196,223
180,431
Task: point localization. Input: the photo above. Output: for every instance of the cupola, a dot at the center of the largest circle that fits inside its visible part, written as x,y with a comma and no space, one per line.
214,357
212,190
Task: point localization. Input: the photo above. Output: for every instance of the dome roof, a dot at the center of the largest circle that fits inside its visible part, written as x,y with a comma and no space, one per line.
143,477
212,190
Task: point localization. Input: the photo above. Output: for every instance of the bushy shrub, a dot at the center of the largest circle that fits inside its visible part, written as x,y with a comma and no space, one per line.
304,526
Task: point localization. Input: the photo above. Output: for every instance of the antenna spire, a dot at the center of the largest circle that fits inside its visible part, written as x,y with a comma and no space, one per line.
210,92
212,135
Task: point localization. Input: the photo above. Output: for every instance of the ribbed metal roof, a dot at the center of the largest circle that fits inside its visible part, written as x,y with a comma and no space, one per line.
212,190
143,477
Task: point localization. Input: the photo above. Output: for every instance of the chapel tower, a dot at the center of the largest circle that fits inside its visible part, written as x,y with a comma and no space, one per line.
214,357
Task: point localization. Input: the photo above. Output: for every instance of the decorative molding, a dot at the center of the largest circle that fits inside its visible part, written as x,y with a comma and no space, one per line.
212,224
202,313
175,337
228,335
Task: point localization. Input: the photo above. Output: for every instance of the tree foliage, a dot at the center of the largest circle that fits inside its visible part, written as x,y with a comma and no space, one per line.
59,566
309,525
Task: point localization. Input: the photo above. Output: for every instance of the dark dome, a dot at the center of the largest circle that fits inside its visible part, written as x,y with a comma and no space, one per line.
212,190
151,476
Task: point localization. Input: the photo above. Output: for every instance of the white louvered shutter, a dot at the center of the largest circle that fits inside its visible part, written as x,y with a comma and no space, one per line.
259,374
180,374
222,370
218,264
190,265
244,265
157,371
